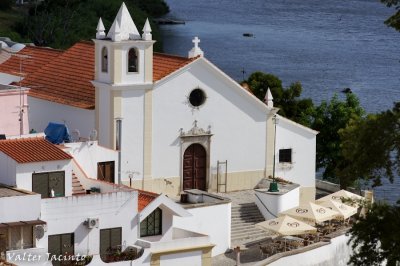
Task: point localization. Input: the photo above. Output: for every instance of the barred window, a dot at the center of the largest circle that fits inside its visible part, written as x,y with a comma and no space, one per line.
285,155
151,226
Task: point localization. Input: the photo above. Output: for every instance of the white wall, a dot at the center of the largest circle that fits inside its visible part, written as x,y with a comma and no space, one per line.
276,202
19,208
89,153
132,133
237,123
303,144
41,112
185,258
67,214
214,221
8,170
337,253
25,171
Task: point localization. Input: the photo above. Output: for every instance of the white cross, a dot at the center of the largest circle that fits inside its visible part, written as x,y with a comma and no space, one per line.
196,42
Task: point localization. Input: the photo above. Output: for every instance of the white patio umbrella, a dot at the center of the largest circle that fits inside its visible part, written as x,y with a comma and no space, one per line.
286,225
345,210
311,213
339,195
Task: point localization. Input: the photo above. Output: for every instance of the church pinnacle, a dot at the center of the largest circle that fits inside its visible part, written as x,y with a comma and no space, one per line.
196,51
127,28
268,99
147,31
100,30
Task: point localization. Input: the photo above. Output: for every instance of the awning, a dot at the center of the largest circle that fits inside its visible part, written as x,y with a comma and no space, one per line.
22,223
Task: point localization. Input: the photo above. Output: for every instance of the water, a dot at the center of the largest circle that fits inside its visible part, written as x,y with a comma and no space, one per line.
327,45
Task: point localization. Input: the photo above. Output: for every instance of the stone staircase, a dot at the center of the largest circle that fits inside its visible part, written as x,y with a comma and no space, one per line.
77,187
243,218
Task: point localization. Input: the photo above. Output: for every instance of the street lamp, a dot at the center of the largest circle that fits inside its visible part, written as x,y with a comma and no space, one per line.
273,186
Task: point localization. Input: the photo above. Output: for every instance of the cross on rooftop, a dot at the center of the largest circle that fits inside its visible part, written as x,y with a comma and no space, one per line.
196,42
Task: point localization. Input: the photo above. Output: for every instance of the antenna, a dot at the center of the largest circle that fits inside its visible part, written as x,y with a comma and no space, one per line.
75,135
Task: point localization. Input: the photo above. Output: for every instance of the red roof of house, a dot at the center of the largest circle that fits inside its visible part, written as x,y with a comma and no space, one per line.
145,197
66,78
36,58
27,150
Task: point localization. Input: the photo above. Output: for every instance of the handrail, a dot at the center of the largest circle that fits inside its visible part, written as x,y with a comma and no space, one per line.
265,206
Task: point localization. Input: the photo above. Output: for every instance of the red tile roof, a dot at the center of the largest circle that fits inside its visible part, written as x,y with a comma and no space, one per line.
145,197
37,58
27,150
66,79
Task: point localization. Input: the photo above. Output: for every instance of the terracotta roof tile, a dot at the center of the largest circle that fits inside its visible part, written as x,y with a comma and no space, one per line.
27,150
145,197
66,79
37,58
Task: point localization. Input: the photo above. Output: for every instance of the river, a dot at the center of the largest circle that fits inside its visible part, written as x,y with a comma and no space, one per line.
326,45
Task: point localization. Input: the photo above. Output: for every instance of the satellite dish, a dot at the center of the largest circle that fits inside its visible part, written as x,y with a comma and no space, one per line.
93,135
75,135
39,231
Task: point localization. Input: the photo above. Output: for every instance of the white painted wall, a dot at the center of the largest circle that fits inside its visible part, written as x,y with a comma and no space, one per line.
237,123
276,202
105,126
303,144
41,112
214,221
19,208
25,171
337,253
88,154
185,258
8,170
132,133
67,214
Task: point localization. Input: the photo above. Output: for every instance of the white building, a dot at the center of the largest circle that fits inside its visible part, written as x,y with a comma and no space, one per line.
181,122
48,206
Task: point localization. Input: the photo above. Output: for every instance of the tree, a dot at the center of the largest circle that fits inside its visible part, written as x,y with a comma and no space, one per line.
394,20
328,119
376,238
371,147
286,99
6,4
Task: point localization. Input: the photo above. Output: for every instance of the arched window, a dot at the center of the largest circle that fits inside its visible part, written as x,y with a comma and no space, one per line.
104,60
132,60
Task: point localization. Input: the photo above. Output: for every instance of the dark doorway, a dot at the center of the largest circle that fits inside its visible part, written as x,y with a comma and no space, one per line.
195,167
105,171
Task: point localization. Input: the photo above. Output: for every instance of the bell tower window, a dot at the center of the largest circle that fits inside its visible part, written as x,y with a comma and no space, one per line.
132,60
104,60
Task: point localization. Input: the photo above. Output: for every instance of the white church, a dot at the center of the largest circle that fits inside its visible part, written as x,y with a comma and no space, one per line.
179,123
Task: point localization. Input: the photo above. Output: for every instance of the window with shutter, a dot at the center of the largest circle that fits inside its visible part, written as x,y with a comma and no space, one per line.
43,183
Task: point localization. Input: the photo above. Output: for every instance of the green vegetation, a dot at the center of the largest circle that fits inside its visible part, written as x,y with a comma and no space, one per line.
376,238
61,23
394,20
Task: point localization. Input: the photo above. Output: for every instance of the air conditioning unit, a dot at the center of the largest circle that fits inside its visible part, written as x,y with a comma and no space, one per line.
40,230
92,223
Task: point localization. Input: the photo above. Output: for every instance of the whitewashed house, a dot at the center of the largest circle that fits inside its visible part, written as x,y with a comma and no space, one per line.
180,123
49,208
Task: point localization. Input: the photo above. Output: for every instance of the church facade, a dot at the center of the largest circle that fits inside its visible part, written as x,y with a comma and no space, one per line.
179,123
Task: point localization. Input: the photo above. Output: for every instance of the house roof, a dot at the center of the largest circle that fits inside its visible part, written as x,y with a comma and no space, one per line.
36,58
28,150
145,197
66,79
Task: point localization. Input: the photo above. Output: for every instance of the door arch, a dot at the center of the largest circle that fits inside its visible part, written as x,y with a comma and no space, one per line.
195,167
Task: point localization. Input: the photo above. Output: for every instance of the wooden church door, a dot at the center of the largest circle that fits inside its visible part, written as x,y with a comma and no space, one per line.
194,167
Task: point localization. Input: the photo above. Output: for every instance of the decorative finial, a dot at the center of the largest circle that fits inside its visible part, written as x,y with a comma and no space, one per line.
268,99
147,31
116,37
196,51
100,34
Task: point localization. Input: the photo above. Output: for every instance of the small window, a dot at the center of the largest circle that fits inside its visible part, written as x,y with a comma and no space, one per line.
132,60
285,155
110,242
63,244
104,60
151,226
197,97
105,171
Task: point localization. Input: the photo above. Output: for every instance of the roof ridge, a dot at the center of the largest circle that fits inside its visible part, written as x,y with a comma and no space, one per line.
42,48
21,139
174,56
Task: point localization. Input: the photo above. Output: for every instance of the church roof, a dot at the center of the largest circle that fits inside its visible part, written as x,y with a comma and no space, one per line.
36,58
124,25
66,78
